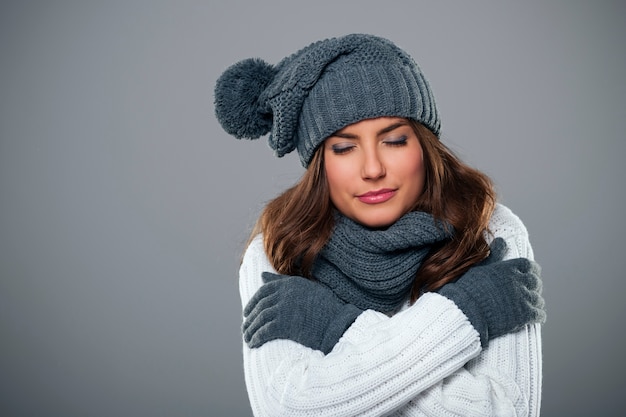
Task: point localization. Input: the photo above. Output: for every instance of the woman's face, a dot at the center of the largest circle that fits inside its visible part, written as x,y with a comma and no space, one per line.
375,170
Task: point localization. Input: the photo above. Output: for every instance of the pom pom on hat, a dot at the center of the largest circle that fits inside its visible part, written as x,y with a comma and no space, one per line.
237,99
320,89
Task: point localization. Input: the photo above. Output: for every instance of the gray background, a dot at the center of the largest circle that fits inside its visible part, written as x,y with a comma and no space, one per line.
124,207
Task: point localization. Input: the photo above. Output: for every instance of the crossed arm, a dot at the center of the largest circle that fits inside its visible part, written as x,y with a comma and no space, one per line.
424,361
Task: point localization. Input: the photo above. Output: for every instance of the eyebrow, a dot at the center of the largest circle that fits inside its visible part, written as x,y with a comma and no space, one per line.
382,131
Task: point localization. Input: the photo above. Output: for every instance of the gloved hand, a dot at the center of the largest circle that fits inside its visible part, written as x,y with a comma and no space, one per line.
497,250
299,309
499,297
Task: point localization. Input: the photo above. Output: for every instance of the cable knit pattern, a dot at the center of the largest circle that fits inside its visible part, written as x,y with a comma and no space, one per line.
320,89
426,360
374,269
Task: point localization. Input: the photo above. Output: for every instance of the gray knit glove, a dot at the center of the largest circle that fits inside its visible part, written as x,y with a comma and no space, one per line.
499,297
296,308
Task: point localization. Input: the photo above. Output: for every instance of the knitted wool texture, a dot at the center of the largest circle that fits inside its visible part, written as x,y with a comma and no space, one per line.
378,358
375,269
319,90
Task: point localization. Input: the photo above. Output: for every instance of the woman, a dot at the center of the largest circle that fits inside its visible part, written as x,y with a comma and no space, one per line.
369,288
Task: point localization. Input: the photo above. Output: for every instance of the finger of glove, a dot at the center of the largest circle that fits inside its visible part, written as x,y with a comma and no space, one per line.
497,249
254,300
529,279
261,335
530,314
518,288
522,271
270,276
251,303
535,300
274,287
524,265
264,295
256,323
254,320
250,320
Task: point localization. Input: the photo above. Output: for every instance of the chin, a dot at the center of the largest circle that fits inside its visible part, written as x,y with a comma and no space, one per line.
377,222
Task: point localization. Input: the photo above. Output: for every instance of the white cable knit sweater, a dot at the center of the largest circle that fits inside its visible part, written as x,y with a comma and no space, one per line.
424,361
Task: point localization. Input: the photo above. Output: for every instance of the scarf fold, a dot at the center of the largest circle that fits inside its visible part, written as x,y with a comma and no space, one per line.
375,268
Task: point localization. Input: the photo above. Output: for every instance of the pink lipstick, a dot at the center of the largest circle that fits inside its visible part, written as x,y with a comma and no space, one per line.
376,197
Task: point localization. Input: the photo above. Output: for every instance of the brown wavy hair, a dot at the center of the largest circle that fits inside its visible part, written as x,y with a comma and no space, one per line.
297,224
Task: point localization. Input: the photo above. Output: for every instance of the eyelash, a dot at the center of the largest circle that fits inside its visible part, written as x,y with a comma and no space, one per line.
340,150
401,141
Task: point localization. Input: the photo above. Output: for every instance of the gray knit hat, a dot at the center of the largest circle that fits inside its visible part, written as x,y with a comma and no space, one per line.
321,89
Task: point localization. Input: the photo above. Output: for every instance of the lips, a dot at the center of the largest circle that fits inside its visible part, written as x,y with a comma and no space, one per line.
377,196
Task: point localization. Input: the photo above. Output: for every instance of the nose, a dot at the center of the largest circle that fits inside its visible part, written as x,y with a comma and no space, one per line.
373,167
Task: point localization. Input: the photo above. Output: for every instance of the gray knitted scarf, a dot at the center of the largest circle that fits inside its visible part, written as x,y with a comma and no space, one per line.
375,268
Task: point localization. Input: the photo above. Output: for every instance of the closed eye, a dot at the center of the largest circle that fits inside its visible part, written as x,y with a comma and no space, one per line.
341,148
401,141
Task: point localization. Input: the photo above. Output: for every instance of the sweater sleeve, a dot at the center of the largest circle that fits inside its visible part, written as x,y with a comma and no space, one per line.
506,378
425,360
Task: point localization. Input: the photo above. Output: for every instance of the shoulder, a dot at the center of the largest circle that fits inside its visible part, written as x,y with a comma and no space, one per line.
253,264
255,248
505,222
254,257
507,225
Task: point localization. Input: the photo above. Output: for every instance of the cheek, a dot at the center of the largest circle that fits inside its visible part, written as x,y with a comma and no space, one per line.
415,172
338,175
